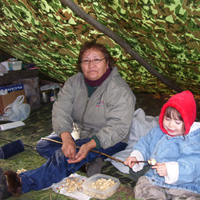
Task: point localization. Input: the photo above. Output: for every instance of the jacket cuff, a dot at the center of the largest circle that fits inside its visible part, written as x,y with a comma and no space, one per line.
172,172
138,166
98,145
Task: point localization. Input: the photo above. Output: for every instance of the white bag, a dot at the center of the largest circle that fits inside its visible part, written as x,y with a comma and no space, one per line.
17,111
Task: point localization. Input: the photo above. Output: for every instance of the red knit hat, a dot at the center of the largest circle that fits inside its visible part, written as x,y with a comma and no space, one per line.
185,103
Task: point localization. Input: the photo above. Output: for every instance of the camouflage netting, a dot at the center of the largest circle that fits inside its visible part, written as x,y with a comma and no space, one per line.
163,32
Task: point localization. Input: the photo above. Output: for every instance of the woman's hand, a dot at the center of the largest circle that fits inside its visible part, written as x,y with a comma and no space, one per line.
161,169
83,151
68,146
130,161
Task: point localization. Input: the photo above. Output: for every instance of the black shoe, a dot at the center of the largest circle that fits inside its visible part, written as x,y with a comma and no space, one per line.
3,186
94,167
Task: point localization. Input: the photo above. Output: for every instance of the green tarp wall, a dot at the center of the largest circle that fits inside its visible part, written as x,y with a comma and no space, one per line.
166,33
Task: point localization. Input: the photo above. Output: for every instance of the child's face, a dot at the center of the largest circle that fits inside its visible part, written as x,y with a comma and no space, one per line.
173,125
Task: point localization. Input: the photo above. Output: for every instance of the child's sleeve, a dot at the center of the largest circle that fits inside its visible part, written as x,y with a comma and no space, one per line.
172,172
138,166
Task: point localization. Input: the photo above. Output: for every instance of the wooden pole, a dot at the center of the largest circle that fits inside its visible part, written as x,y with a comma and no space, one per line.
75,8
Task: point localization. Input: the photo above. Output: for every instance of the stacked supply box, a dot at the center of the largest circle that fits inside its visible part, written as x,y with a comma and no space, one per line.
8,94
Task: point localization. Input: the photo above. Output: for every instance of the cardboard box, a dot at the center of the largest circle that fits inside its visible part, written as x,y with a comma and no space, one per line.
9,98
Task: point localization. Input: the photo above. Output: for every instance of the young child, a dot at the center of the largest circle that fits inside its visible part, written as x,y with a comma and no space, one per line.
175,145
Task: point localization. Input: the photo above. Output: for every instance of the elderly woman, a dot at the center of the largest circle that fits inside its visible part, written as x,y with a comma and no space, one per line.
101,103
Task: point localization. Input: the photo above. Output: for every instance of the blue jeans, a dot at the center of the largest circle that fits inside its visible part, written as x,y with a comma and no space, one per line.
56,167
46,148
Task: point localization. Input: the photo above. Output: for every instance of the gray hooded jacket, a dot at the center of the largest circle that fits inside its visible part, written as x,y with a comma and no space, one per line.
107,114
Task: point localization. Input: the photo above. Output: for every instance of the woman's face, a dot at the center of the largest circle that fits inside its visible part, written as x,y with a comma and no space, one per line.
93,64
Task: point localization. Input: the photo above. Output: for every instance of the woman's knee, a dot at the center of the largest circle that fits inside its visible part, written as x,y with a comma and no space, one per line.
47,147
41,145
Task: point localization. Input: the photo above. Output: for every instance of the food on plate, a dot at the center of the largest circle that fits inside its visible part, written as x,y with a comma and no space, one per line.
19,171
72,184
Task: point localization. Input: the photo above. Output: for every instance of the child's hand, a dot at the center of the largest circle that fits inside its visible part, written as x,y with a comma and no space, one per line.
130,161
161,169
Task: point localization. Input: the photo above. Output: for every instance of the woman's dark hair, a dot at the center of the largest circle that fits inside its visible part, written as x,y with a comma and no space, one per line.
96,46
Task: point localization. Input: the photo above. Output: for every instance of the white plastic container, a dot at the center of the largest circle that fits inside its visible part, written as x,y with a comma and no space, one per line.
97,193
15,65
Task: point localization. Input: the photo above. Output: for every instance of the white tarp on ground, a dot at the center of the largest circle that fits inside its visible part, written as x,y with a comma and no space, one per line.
141,124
